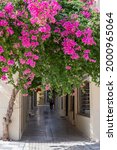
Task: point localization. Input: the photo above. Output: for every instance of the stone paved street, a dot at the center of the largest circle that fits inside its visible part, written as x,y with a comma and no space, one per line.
47,131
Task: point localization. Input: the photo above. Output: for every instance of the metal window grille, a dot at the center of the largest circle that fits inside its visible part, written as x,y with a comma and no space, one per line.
84,99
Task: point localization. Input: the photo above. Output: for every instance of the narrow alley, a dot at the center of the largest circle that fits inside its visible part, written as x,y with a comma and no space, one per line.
48,131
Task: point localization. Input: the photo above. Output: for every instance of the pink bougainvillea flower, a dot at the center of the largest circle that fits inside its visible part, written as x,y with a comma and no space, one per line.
91,2
88,40
68,67
88,32
10,62
65,33
3,23
31,63
25,33
34,44
92,60
43,29
13,16
35,57
11,52
27,71
2,59
26,42
1,33
70,27
10,31
31,76
86,56
25,95
96,10
1,50
49,9
75,56
78,48
85,8
78,33
5,69
57,30
4,78
44,37
33,20
74,16
22,61
28,54
9,7
16,45
25,86
34,38
87,51
28,83
2,14
86,14
69,46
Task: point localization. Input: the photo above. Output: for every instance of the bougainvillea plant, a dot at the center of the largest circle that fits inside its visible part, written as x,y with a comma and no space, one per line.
54,41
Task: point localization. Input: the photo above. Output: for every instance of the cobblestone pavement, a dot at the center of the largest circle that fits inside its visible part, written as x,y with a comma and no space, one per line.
47,131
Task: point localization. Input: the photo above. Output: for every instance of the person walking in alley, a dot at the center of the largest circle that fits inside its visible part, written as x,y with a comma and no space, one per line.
51,104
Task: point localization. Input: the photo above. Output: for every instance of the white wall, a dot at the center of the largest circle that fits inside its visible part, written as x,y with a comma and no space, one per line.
83,124
95,112
5,94
20,111
90,126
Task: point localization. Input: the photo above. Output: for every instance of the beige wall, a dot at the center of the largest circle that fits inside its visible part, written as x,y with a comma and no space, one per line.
95,112
5,93
19,116
90,126
83,124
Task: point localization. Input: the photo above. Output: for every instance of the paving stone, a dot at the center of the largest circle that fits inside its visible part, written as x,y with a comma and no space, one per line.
47,131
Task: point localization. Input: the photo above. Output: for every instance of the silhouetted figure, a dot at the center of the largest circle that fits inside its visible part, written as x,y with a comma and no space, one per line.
51,104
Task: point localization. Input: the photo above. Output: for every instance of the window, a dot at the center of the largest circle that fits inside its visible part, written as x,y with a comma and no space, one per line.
84,99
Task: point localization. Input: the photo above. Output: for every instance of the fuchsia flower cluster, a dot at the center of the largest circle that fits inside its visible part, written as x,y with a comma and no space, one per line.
24,54
42,13
71,46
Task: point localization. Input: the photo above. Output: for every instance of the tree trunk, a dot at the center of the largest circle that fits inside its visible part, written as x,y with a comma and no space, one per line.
7,118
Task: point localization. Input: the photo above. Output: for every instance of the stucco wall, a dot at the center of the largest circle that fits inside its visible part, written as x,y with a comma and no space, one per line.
20,111
95,112
5,94
90,126
83,124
